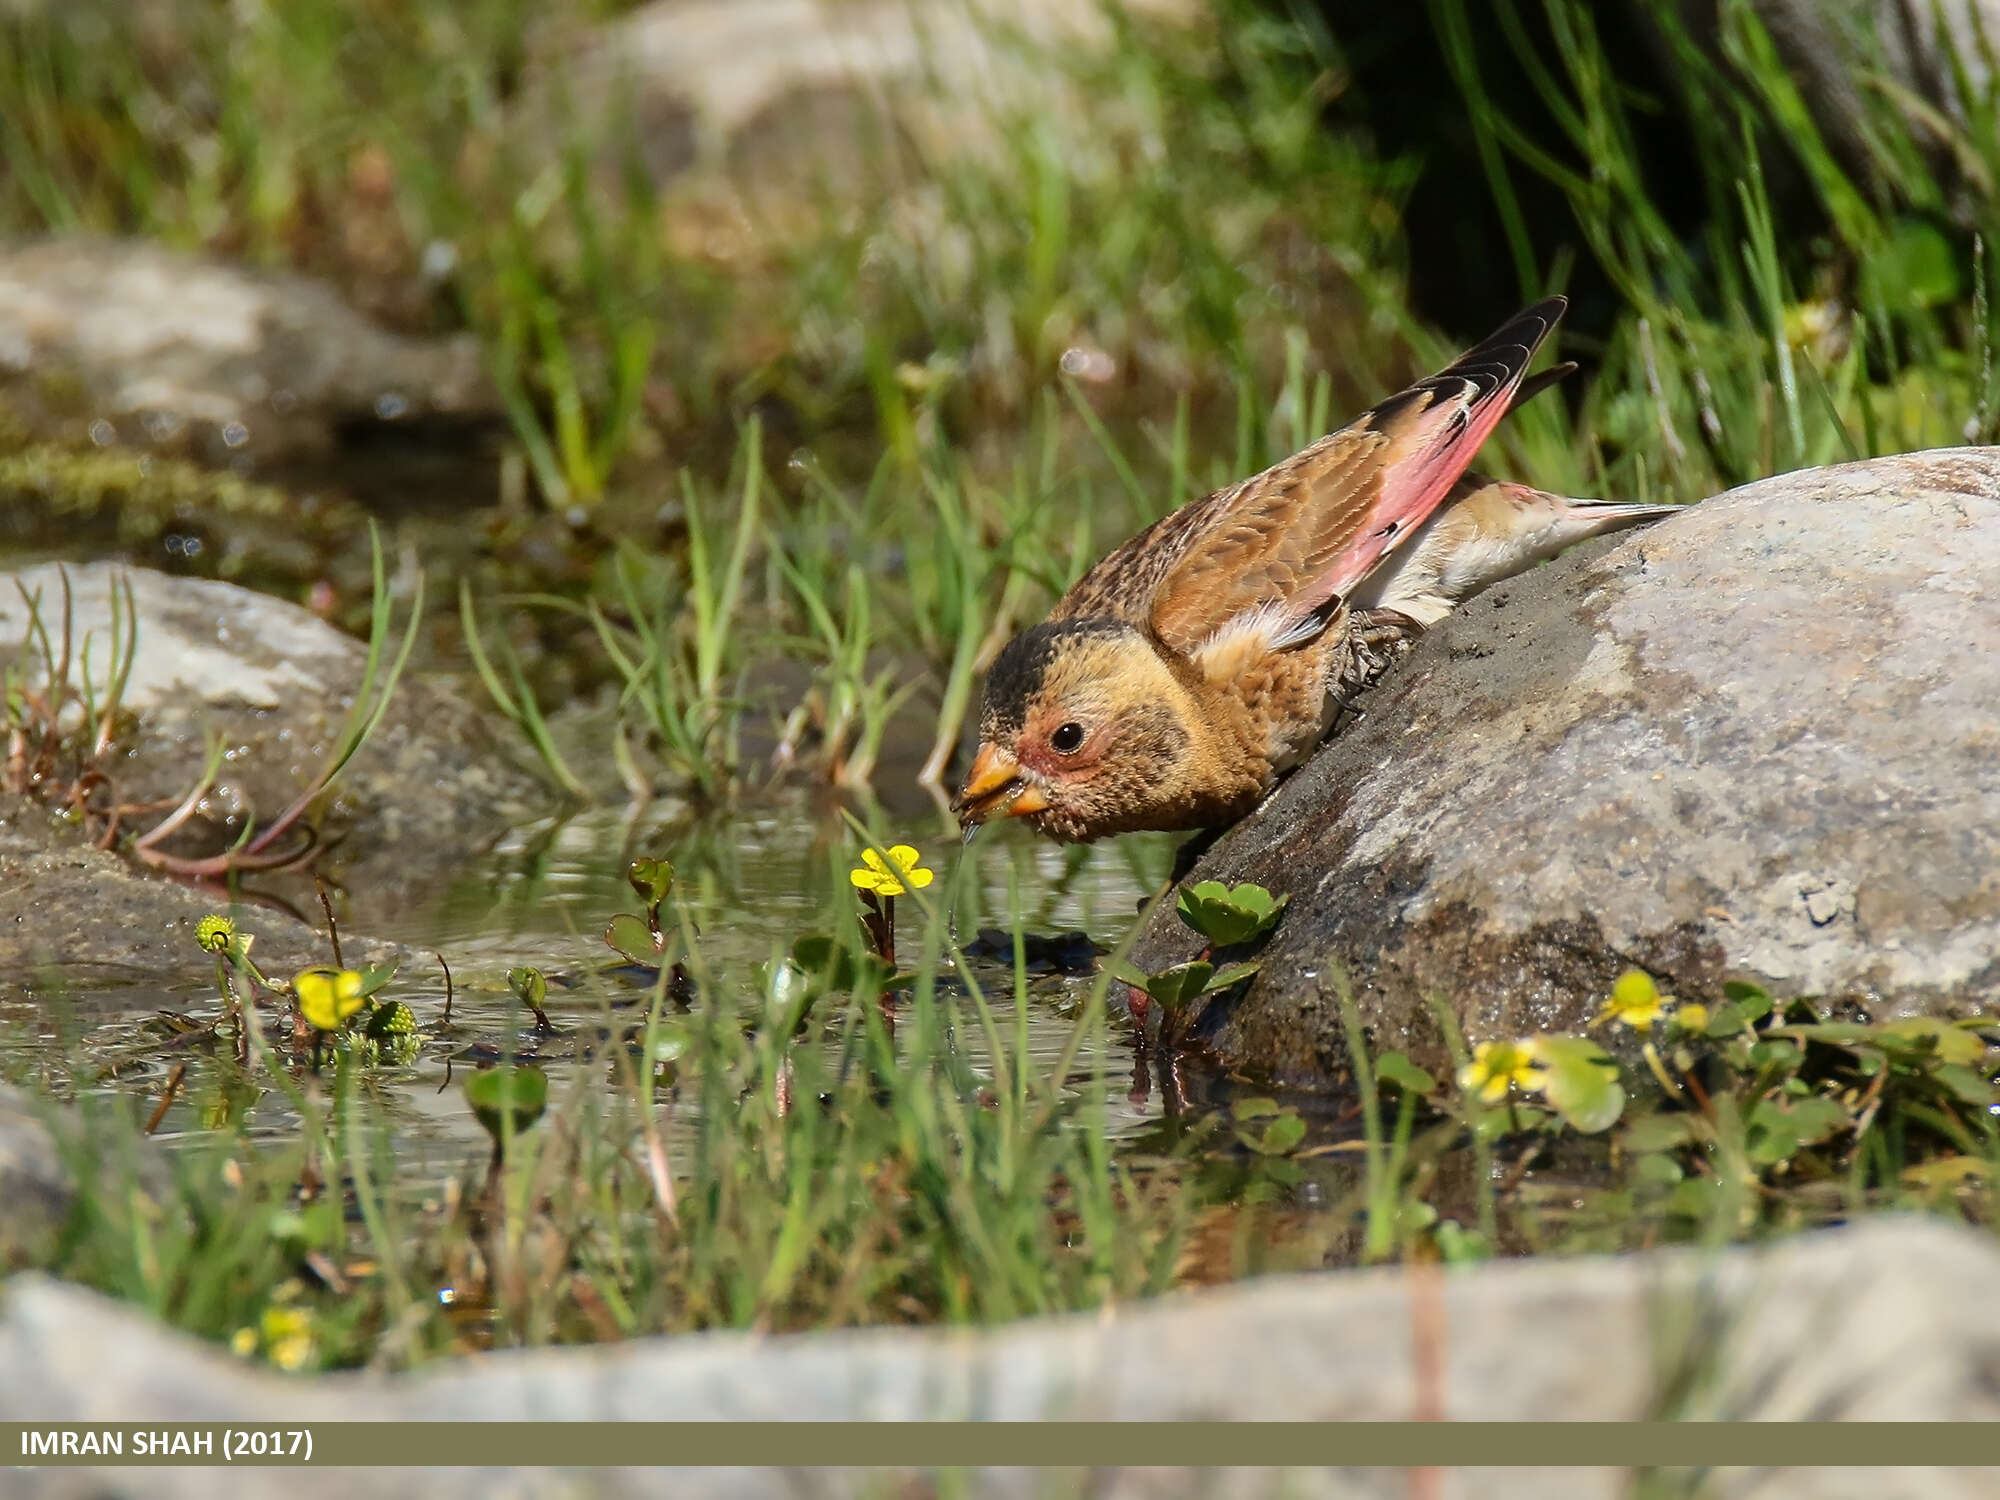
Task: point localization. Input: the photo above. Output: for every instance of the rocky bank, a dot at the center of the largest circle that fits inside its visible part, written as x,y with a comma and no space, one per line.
1760,740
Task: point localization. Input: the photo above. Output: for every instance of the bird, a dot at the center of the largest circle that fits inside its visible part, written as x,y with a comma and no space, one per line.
1185,673
1483,532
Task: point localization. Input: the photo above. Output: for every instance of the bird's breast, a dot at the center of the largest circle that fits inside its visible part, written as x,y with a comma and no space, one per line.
1277,708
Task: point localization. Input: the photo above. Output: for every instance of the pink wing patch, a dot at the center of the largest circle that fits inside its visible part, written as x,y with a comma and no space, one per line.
1413,487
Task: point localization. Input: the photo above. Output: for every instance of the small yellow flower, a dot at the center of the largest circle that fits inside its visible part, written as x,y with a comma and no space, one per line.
1635,1002
243,1342
1692,1019
327,996
288,1336
891,879
213,934
1496,1066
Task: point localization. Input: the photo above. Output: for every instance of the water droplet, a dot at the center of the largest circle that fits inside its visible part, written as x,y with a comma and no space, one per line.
235,435
1082,362
440,259
391,405
103,433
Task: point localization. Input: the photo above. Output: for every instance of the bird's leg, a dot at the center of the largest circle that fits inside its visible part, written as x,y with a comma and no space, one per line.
1376,640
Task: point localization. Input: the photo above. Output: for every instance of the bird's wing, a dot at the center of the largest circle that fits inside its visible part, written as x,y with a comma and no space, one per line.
1264,565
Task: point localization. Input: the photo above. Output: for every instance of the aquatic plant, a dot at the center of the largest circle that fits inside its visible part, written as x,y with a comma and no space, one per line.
259,849
879,879
1499,1068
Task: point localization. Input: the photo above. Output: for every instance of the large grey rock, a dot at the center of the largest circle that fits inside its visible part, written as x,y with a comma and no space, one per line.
275,683
104,339
1759,740
88,927
1879,1322
789,98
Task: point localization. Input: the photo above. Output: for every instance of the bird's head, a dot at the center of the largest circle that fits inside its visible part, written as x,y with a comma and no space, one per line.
1084,732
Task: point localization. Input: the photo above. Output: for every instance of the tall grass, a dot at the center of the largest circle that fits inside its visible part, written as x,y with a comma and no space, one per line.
1745,348
1177,235
853,1172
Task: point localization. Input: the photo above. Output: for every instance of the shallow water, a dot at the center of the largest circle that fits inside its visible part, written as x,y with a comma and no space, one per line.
752,882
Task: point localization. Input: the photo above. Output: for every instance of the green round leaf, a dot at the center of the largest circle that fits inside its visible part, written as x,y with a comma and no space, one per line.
1176,987
1283,1134
1583,1084
375,976
507,1090
633,938
652,879
1918,267
530,986
1396,1069
1228,915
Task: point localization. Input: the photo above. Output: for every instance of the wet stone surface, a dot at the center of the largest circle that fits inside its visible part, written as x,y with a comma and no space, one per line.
275,684
109,340
1760,740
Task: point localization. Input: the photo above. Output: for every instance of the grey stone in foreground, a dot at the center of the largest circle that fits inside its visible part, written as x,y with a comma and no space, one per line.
275,683
170,348
1885,1321
34,1187
1758,740
38,1140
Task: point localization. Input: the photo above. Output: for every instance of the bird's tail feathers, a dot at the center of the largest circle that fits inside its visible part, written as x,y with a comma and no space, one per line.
1614,513
1533,385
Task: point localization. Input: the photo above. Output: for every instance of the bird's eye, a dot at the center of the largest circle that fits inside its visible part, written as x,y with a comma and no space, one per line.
1068,739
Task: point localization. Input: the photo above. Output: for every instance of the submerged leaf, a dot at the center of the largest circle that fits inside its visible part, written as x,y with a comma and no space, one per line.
1282,1135
1664,1132
1778,1131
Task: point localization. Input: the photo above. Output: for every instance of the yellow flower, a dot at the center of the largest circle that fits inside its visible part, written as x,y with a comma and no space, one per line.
1497,1065
213,934
327,996
890,879
243,1343
288,1336
1635,1002
1692,1019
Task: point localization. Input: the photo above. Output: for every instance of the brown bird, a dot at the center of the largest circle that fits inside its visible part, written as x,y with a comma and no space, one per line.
1183,675
1485,531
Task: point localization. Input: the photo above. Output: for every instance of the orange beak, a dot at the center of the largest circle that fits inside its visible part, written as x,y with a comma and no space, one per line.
995,788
